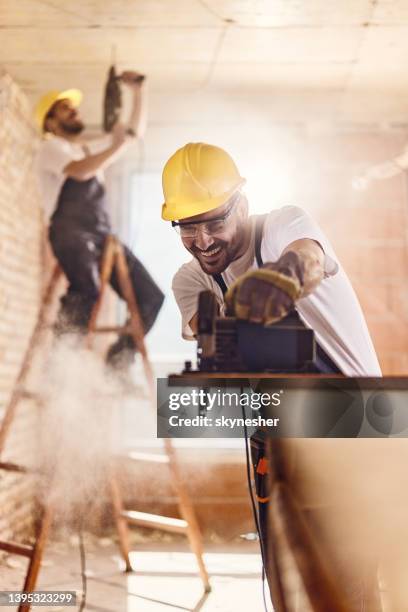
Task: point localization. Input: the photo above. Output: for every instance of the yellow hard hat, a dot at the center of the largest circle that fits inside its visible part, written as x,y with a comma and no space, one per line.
197,178
48,99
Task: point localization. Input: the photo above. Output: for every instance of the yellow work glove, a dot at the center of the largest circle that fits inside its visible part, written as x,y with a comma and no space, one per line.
268,294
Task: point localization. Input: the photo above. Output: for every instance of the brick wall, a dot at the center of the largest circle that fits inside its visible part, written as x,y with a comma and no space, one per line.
368,229
20,290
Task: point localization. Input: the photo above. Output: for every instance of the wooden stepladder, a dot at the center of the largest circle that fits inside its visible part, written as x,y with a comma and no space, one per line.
33,553
113,258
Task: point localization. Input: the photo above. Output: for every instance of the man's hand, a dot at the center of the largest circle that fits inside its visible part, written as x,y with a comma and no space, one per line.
268,294
132,79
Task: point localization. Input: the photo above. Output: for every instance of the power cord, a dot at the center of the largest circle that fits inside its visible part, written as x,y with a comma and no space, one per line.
83,567
254,511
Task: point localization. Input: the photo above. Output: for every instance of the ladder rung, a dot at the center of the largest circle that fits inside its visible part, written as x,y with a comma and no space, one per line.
156,521
148,457
22,393
13,467
16,549
112,328
26,394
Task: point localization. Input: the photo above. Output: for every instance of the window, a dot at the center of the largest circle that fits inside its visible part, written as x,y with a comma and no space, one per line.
159,248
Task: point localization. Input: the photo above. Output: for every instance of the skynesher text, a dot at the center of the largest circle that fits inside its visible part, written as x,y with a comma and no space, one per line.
231,423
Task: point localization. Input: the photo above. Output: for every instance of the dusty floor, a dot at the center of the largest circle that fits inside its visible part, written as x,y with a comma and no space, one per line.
165,580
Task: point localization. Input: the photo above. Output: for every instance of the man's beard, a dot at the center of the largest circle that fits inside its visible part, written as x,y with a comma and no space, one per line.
207,265
74,127
229,251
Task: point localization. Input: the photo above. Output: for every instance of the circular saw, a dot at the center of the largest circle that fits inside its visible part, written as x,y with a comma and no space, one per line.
112,104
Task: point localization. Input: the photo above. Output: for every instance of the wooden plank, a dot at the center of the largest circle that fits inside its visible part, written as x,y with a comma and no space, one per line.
156,521
146,457
289,528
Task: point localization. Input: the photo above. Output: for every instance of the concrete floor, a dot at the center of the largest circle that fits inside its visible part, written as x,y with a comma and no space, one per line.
165,581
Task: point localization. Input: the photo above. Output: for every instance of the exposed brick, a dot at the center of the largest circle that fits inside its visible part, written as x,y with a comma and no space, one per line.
20,289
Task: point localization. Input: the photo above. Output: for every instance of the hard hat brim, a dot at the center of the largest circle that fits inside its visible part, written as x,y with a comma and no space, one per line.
200,207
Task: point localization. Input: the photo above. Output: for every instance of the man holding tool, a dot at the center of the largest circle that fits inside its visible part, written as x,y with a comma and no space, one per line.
260,267
71,177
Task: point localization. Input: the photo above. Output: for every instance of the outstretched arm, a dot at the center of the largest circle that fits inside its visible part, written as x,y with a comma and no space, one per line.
137,118
86,168
310,257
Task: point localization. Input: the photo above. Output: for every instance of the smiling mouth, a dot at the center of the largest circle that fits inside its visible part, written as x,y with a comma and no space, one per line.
210,253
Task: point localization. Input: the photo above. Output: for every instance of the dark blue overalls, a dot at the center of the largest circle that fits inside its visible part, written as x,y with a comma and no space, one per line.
78,230
361,590
324,365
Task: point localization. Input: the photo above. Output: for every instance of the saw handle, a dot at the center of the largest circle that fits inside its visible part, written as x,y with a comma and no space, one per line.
138,79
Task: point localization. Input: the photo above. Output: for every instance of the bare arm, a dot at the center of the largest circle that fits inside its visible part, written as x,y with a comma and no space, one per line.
86,168
137,117
311,256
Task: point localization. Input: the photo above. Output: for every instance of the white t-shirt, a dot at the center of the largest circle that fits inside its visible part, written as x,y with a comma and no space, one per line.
332,310
54,154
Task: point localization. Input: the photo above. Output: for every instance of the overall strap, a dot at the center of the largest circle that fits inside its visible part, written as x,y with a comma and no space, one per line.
259,225
220,282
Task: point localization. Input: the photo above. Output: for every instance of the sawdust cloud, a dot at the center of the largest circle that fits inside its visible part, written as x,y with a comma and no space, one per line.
79,430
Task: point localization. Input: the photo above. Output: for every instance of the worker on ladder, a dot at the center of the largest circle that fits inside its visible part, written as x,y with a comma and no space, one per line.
71,179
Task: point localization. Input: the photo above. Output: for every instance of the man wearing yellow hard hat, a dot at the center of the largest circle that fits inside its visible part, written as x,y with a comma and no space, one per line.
72,182
259,267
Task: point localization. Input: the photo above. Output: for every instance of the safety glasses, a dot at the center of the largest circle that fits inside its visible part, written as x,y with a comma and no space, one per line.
210,227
